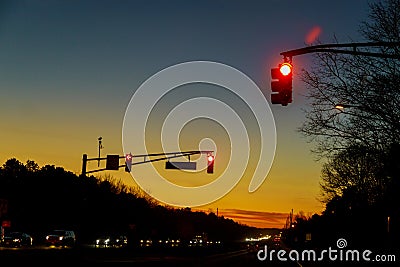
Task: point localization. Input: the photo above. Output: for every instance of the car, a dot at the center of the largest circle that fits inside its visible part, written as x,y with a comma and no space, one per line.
111,241
17,239
61,238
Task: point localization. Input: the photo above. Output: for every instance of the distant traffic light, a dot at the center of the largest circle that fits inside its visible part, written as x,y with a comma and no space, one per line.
128,162
210,164
281,84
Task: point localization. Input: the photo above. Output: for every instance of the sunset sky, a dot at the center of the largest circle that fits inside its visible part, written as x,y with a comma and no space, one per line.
68,70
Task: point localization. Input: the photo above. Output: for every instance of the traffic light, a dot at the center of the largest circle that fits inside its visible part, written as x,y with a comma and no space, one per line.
128,162
281,84
210,164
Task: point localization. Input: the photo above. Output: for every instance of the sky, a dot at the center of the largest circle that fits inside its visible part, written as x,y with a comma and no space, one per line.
69,70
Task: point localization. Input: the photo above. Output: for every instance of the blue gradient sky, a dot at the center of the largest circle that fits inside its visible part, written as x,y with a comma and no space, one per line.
69,68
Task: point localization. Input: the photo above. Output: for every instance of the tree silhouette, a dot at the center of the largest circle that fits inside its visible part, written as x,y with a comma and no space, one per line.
360,179
357,168
45,198
368,88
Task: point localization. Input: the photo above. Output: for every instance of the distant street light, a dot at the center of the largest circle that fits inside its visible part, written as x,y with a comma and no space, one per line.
339,106
100,147
343,106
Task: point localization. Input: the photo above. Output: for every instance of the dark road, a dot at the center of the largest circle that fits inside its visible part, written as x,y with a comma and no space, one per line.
135,256
161,256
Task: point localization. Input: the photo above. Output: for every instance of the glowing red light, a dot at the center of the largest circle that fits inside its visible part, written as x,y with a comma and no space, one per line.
285,69
210,158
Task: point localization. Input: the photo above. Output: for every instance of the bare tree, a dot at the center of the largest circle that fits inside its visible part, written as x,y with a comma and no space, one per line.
359,169
367,87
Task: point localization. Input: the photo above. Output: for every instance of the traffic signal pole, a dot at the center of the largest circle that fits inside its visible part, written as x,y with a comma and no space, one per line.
281,85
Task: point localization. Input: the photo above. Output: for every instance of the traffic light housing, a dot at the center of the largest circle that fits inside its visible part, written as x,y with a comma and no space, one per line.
210,164
281,84
128,162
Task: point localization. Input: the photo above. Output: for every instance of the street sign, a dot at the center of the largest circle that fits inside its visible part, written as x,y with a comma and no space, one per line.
112,162
180,165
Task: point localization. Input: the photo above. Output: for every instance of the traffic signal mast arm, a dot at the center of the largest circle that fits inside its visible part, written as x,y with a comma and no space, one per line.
166,156
146,158
325,48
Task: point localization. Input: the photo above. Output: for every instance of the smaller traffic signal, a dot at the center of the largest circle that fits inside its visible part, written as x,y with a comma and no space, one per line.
210,164
281,84
128,162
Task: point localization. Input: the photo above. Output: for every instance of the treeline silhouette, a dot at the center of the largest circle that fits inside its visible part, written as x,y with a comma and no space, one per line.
366,212
44,198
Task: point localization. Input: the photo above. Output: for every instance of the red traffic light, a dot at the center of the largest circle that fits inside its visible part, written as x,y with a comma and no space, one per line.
210,164
281,84
128,162
285,68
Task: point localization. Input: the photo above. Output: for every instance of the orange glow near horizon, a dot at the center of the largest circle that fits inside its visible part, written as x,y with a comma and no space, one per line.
258,219
284,189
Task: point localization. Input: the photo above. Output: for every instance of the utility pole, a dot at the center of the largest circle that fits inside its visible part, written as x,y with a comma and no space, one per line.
291,219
